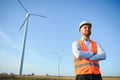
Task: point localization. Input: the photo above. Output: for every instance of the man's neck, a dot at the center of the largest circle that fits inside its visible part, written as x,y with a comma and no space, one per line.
86,38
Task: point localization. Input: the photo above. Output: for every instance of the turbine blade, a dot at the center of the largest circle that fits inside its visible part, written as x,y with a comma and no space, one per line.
22,6
20,28
58,55
38,15
23,23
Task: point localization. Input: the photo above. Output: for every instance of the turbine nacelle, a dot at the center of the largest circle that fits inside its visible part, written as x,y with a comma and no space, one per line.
28,14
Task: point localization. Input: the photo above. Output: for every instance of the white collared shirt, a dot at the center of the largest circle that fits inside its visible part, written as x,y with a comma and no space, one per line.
78,53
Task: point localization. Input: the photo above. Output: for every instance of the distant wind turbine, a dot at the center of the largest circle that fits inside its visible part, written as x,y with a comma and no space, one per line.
60,58
25,23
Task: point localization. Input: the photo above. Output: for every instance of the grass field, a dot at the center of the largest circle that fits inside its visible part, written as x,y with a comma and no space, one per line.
111,78
49,78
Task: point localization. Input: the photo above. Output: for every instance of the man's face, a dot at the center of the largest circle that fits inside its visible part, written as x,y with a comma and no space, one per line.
85,30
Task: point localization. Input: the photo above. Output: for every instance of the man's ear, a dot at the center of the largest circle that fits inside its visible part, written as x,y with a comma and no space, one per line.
79,30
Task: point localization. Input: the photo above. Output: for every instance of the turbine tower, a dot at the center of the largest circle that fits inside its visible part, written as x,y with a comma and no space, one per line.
25,23
59,58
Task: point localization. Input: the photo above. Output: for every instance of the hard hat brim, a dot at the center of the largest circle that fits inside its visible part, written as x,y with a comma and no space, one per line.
81,25
85,24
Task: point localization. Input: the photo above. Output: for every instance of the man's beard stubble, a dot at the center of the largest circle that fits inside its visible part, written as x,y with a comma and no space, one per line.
88,34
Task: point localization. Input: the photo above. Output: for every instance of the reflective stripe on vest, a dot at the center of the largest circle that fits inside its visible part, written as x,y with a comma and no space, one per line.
83,65
87,64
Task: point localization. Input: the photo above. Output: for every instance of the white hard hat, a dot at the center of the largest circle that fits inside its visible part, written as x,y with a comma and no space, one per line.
83,23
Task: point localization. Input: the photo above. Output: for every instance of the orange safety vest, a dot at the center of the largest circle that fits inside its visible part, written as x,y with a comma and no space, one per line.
86,66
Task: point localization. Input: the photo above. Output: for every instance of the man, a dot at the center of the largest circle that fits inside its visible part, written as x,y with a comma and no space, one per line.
87,54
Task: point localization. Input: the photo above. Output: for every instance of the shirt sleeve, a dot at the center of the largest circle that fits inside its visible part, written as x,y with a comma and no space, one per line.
78,53
101,54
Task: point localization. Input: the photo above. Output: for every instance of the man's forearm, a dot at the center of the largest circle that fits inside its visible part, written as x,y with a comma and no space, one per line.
98,57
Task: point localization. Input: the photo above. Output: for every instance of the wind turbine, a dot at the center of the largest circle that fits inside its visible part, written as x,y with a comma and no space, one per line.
60,58
25,23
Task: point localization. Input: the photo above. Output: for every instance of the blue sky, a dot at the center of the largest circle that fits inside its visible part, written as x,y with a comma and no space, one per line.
56,34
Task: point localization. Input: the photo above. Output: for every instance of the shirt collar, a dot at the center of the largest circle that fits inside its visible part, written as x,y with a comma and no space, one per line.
85,40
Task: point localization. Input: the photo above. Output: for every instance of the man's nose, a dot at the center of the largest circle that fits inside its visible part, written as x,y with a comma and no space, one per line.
87,28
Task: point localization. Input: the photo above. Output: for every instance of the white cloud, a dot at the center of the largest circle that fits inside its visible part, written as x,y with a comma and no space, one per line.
5,37
8,41
8,56
33,62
